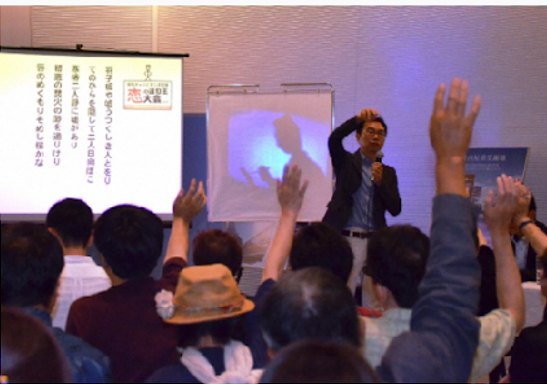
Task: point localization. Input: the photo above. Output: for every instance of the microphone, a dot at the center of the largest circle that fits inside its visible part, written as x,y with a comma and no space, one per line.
379,158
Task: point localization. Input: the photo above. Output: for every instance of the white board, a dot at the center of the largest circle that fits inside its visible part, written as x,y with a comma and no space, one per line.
105,129
251,137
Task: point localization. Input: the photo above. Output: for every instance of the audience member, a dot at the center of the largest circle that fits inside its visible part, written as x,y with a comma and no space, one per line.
397,261
529,355
319,362
315,245
309,304
122,322
524,252
30,353
207,310
71,222
218,247
32,262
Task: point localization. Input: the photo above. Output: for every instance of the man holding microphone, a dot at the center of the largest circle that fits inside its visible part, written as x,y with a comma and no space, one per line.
365,190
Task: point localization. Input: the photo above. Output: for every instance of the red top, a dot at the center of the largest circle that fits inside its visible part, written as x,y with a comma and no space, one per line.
122,322
369,312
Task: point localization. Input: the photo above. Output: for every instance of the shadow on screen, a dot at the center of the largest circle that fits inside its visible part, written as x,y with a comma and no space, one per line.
262,143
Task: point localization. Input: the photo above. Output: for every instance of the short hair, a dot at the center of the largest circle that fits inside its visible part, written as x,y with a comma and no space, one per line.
30,353
311,303
218,247
221,331
379,119
131,240
397,259
32,263
72,219
313,361
319,245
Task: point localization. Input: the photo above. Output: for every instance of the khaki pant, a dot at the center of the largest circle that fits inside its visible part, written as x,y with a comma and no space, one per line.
359,248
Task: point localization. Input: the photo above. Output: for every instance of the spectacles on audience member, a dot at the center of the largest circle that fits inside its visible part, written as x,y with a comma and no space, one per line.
373,132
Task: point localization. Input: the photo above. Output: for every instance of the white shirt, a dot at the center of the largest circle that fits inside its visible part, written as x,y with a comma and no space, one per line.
81,277
521,252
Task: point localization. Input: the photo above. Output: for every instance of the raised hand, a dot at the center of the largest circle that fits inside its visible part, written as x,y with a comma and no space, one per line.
450,129
523,206
290,191
450,132
500,210
188,206
368,114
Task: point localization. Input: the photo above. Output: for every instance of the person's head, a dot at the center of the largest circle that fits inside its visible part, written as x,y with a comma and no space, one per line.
310,303
71,221
32,263
396,261
30,353
313,361
319,245
218,247
207,304
130,240
371,135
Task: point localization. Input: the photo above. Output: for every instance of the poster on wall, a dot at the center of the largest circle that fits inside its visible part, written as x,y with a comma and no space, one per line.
485,165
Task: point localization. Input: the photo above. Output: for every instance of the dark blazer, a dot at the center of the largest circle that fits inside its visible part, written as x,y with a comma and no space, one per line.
348,172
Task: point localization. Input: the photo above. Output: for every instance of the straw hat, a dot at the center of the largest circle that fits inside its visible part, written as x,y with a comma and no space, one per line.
203,294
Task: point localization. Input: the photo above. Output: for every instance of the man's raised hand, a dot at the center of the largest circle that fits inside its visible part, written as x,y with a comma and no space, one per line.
290,191
499,211
450,129
450,132
188,206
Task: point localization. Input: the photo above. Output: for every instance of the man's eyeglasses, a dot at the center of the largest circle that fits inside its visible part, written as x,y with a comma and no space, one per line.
372,132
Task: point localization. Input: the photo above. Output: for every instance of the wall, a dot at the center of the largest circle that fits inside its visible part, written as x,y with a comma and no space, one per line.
389,58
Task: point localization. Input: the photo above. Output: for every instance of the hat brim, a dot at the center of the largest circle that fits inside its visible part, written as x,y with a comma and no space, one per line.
182,318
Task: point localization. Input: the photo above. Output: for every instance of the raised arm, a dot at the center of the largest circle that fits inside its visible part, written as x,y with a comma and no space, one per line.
185,209
444,327
290,194
498,213
538,239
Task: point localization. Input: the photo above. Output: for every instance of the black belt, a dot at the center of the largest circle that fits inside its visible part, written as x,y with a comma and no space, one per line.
359,235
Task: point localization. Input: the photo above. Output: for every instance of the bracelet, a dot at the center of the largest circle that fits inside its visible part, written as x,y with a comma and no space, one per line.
524,224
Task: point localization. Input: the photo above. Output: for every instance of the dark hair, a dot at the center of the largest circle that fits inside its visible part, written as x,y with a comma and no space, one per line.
379,119
319,245
218,247
30,353
397,259
221,331
131,240
32,263
533,206
311,303
313,361
73,221
543,261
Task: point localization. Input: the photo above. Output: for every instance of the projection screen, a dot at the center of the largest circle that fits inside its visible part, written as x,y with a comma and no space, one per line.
99,126
251,138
